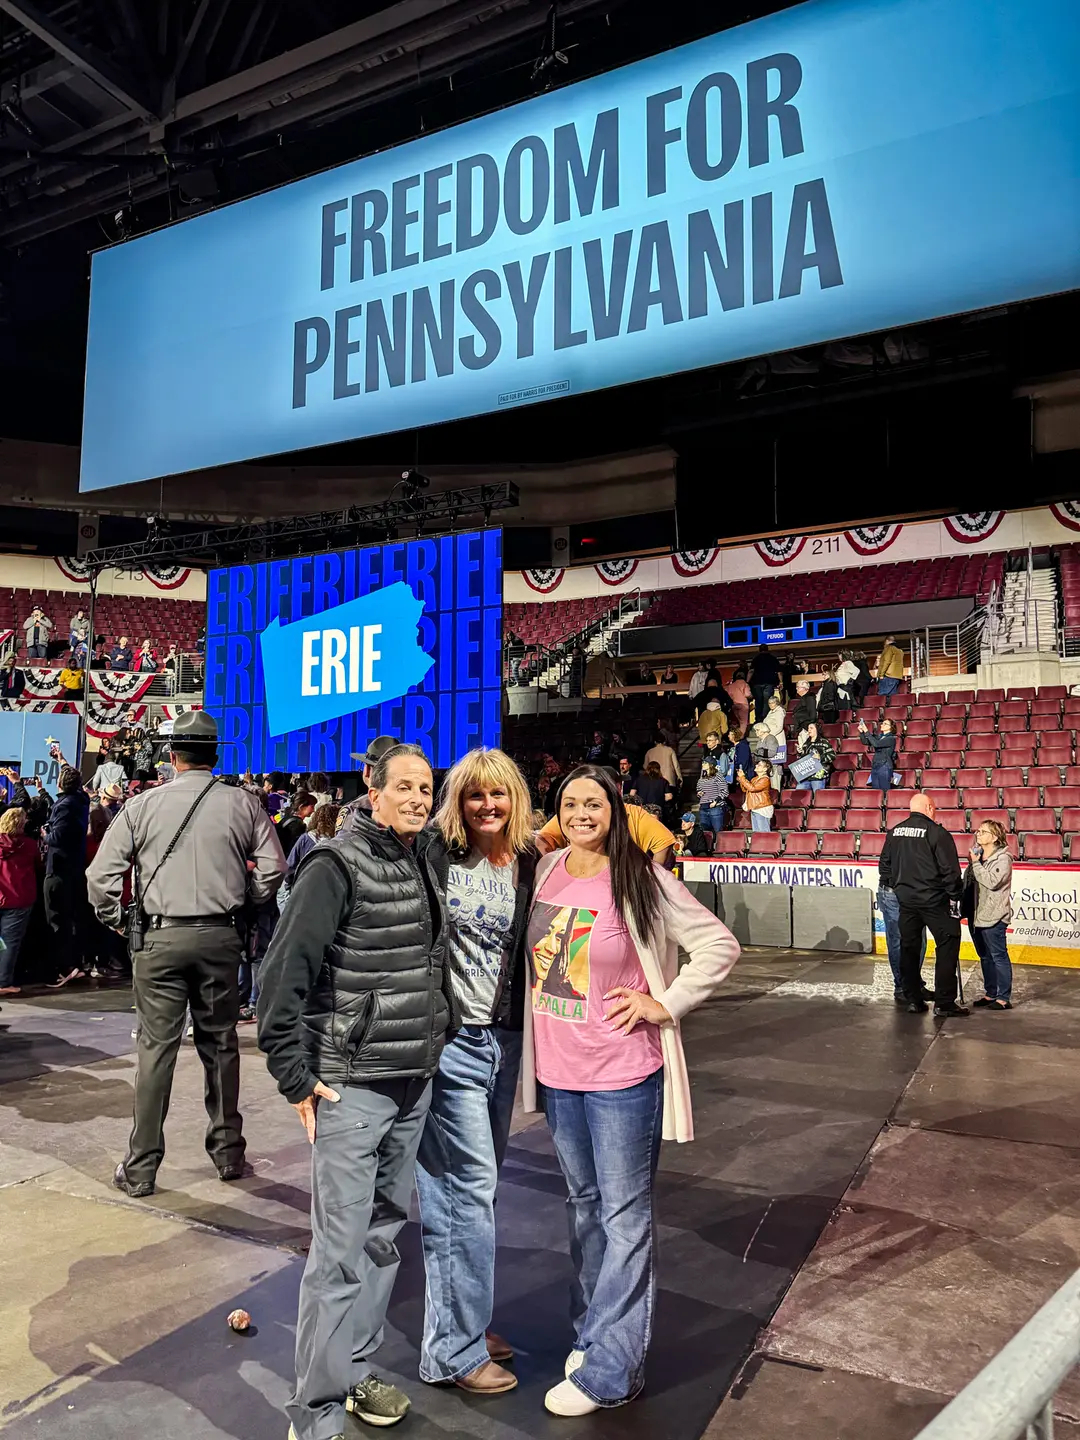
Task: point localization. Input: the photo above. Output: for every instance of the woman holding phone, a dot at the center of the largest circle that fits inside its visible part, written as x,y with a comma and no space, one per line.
482,852
603,1057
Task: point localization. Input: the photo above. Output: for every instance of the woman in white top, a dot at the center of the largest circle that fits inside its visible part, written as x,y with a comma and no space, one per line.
775,716
482,853
602,1039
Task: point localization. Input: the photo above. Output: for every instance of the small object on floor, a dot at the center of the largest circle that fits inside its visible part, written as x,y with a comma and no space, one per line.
917,1007
246,1016
376,1402
75,974
566,1399
943,1012
488,1378
574,1361
497,1347
227,1173
239,1320
137,1189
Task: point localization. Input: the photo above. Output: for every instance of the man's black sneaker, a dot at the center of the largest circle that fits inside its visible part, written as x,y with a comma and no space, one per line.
899,998
234,1172
137,1189
917,1007
943,1011
376,1402
926,994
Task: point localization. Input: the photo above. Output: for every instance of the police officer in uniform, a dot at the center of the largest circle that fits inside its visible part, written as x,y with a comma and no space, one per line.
920,864
200,848
355,809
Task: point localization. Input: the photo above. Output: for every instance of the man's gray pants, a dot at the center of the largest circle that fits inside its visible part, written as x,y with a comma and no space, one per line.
362,1168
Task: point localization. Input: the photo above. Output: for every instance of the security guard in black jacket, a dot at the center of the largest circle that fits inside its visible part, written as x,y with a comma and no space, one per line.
919,862
354,1006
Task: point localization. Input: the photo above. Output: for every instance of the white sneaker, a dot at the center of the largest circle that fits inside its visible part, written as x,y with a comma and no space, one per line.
566,1399
574,1362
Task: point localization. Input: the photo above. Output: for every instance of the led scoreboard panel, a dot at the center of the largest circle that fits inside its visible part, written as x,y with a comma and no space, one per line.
784,629
309,659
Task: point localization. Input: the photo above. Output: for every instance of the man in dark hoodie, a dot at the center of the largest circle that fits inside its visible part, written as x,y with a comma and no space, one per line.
65,874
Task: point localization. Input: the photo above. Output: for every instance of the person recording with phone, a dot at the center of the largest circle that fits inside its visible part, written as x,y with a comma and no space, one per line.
989,876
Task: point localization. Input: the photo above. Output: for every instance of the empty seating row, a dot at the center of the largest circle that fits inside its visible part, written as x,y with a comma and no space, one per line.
851,845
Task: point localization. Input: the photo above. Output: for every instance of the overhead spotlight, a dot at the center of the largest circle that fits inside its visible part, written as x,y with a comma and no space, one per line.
157,526
414,481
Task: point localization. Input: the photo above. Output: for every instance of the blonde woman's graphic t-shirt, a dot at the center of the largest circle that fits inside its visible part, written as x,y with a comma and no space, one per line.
578,950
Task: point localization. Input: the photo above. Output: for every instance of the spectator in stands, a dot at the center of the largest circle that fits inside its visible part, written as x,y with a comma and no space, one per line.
715,751
692,839
37,628
889,666
200,640
645,675
989,874
712,720
120,654
882,747
609,1083
147,661
99,660
319,786
143,747
740,695
788,667
664,755
30,796
651,788
276,789
78,629
109,771
862,681
828,699
804,710
712,792
670,675
737,747
19,865
321,826
919,862
65,876
759,795
763,743
774,722
847,672
812,743
578,663
12,679
764,678
697,686
73,679
171,666
626,777
599,752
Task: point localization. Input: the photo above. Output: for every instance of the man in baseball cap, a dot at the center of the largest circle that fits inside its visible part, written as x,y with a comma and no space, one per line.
379,747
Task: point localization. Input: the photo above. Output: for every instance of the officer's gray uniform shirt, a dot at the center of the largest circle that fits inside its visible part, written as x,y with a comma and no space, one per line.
207,873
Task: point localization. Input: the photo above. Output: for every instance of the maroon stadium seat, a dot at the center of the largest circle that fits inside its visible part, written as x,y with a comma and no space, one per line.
1021,692
1072,775
870,845
947,759
825,819
1012,709
931,697
1007,775
799,799
982,708
1059,795
951,725
800,843
788,819
1042,847
730,842
868,799
996,696
982,725
989,743
1051,692
844,763
838,847
832,797
944,799
762,844
953,820
952,712
1043,775
1012,725
961,697
977,799
936,778
1046,715
1014,795
1034,820
916,728
1054,751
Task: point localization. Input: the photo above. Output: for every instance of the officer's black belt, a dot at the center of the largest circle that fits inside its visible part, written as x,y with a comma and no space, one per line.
166,922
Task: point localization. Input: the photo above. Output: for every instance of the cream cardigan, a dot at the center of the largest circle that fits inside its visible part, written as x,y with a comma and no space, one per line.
684,922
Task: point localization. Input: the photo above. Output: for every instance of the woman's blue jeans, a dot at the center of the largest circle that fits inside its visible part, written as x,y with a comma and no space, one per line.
608,1144
13,925
889,906
457,1170
992,947
759,821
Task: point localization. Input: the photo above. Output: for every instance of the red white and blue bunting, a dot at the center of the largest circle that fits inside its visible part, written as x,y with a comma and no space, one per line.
103,719
781,551
543,581
872,539
118,687
976,525
1068,513
616,572
71,569
171,712
166,577
689,563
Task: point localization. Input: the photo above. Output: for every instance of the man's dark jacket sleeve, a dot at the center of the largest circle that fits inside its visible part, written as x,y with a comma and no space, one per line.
948,861
319,903
885,864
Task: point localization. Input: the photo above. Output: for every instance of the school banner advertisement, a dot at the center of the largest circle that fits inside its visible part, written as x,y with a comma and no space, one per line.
1045,927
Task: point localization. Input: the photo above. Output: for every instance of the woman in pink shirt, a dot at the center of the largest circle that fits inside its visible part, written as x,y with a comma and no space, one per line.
602,1039
741,695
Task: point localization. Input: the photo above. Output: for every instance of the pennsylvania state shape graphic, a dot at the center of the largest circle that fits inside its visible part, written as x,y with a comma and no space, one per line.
348,658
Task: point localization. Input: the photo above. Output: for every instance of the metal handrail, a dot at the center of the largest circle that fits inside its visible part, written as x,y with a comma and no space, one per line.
1013,1396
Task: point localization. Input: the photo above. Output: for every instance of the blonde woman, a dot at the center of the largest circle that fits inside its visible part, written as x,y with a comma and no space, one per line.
482,852
19,867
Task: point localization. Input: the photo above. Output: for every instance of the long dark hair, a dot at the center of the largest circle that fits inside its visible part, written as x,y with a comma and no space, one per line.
634,886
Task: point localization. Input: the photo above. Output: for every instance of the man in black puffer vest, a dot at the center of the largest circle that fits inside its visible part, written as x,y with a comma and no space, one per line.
353,1012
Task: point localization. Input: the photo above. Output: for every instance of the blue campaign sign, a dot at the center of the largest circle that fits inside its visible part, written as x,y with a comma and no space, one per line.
28,742
307,660
840,167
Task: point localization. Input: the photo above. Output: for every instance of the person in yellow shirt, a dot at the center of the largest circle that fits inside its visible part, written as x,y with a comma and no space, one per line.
890,666
72,678
647,833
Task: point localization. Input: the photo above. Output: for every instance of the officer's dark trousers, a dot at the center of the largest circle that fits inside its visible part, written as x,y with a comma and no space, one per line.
178,967
946,933
362,1166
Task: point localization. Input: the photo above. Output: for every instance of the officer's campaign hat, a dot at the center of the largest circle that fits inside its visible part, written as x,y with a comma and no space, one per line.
193,727
377,749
